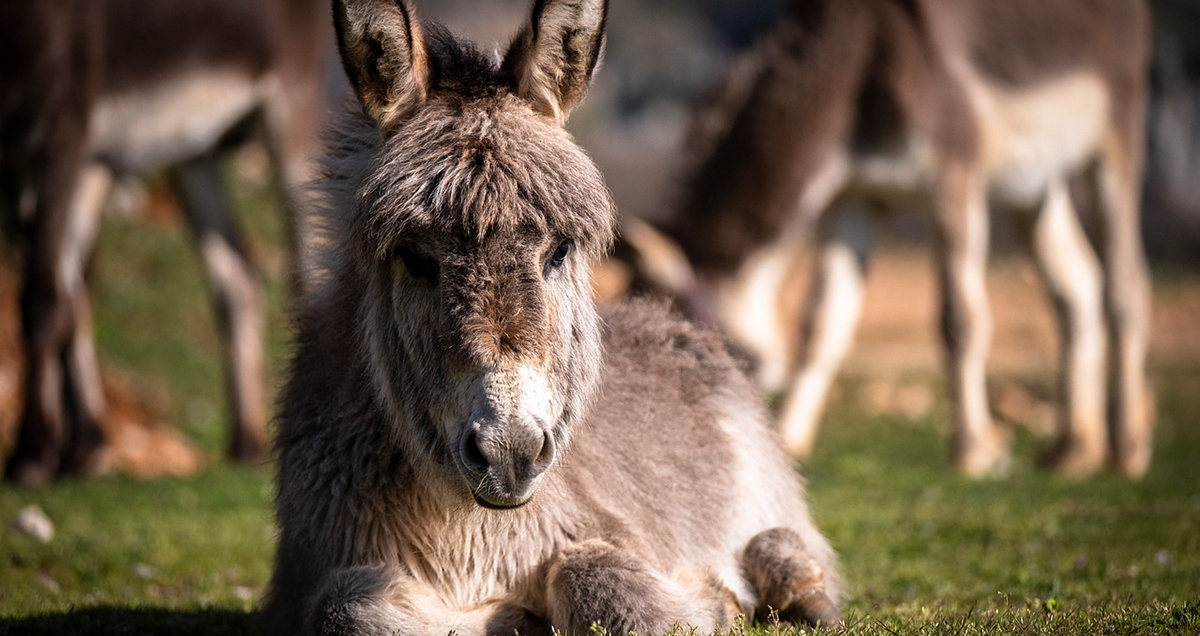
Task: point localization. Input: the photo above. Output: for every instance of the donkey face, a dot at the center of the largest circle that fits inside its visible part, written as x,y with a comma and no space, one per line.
475,229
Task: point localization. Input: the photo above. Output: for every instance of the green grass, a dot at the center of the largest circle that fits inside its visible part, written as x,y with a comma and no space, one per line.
1032,550
924,551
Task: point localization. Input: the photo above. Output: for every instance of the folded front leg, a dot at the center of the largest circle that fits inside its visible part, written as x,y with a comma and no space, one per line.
377,600
595,583
788,579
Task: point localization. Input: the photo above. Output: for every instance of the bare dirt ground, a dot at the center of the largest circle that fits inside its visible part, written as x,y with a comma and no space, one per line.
899,327
897,356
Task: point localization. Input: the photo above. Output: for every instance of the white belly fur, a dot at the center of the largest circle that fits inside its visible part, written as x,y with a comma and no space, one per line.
1036,135
163,124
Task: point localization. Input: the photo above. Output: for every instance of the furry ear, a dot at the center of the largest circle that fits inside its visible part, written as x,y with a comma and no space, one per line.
552,59
383,52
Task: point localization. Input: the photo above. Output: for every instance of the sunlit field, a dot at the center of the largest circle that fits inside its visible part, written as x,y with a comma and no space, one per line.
924,551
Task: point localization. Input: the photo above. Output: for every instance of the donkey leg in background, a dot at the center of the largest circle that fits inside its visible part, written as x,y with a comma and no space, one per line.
238,299
291,116
830,320
48,316
290,156
1117,180
84,392
1071,272
961,218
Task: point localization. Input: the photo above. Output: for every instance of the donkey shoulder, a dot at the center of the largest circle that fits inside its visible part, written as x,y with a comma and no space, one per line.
645,337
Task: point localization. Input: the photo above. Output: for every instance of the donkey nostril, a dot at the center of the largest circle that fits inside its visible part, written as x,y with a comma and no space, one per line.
546,454
472,454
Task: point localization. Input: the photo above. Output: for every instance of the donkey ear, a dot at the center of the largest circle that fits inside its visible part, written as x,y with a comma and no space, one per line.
552,58
383,52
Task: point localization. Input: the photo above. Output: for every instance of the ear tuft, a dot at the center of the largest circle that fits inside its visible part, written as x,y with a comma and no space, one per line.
552,59
383,51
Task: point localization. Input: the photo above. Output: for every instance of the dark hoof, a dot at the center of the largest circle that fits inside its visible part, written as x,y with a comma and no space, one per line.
30,474
248,451
818,610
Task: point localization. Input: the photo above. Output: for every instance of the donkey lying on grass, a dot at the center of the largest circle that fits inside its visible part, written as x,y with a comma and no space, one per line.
464,443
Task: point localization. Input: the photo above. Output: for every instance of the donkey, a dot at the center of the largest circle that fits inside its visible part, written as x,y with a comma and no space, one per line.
465,444
851,105
96,88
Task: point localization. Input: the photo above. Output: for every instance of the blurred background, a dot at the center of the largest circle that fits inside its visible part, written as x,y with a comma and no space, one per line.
156,335
158,343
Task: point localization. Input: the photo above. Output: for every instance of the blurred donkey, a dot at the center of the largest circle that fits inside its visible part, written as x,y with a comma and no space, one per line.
97,87
865,103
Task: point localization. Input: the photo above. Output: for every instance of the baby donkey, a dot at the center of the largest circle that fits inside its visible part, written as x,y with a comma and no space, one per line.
466,443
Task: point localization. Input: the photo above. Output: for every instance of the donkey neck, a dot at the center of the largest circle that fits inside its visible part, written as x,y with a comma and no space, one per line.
447,541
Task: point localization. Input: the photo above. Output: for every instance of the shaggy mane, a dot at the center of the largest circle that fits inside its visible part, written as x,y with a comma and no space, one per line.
472,161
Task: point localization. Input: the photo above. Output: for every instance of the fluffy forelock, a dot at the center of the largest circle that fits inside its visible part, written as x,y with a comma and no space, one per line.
475,168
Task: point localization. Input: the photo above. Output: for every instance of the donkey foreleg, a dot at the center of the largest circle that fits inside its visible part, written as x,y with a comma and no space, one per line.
383,601
1071,272
962,246
1117,181
594,583
82,381
788,579
834,307
238,297
60,355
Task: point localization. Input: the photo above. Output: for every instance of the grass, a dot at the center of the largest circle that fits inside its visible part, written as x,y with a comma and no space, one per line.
924,551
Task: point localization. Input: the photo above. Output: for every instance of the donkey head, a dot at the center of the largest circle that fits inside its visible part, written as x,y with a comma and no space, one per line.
475,227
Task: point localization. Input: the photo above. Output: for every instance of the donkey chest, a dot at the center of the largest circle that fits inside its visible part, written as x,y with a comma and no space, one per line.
468,562
154,126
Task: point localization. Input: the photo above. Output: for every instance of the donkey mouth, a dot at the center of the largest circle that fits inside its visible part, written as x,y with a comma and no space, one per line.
493,492
500,505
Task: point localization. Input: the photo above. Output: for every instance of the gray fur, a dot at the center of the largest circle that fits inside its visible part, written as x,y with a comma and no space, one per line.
445,337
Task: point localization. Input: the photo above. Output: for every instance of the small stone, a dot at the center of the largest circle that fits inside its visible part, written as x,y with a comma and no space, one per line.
1162,557
143,571
243,593
32,521
47,582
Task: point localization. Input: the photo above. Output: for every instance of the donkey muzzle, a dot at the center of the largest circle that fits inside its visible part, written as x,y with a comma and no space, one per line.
503,462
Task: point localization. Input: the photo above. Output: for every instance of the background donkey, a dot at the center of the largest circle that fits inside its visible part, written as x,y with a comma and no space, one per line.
877,102
464,445
98,87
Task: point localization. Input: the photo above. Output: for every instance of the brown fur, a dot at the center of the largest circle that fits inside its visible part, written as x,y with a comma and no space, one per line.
465,443
877,101
111,86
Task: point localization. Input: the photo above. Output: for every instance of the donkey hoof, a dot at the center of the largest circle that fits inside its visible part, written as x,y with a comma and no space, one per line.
30,474
1074,458
1133,460
1135,439
788,580
985,457
817,609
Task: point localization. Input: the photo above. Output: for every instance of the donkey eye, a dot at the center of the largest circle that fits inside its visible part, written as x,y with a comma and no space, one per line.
419,266
560,253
